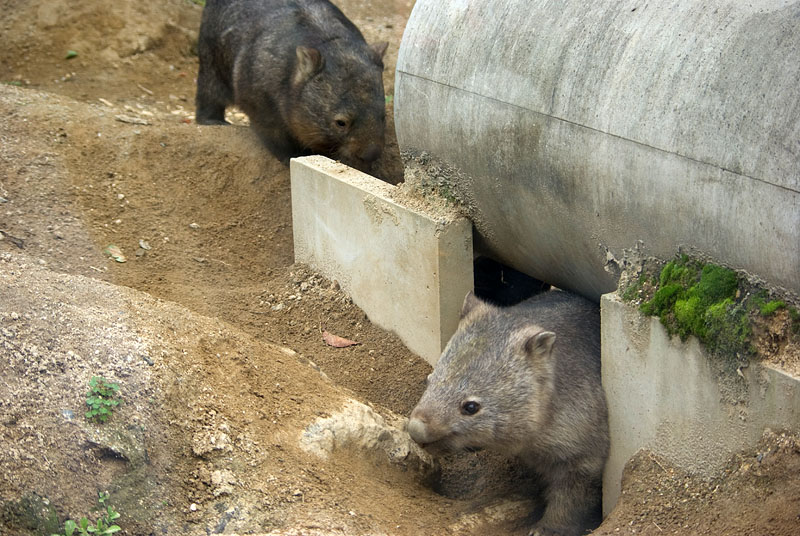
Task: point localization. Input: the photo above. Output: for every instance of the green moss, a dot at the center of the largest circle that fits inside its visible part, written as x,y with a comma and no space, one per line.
716,284
728,328
698,299
712,303
663,300
677,272
690,317
769,308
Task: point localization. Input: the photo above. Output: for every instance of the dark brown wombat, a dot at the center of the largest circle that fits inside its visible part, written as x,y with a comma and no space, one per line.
300,70
525,381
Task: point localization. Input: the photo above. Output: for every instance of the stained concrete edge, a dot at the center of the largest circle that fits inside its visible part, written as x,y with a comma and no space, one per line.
407,268
672,398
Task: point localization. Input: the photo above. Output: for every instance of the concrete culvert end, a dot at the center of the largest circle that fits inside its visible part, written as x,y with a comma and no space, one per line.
585,127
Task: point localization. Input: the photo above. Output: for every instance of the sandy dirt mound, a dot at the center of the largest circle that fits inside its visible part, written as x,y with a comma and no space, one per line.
210,434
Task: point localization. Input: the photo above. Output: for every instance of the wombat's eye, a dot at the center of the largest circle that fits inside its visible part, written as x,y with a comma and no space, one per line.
470,407
341,122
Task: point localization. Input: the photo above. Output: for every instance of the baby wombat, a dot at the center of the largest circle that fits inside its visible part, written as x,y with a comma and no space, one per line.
300,70
525,381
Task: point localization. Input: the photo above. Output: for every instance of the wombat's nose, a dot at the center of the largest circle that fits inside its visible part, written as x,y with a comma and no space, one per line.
418,430
371,153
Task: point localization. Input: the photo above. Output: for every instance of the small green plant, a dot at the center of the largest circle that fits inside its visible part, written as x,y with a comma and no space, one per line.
102,527
102,398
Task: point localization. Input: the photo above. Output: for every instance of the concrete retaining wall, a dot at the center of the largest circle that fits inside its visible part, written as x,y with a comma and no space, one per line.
408,269
674,399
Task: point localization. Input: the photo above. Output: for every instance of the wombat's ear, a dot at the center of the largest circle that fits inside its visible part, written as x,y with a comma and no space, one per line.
470,303
309,63
540,345
378,50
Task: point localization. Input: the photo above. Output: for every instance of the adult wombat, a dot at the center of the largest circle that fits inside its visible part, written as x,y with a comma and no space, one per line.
300,70
525,381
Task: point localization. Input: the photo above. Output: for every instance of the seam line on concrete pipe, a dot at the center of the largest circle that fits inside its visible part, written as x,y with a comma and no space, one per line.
617,136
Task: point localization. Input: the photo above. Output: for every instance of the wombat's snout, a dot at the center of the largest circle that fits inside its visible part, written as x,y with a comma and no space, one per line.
371,153
418,429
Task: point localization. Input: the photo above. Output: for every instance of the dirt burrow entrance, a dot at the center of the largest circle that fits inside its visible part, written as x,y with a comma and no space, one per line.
101,149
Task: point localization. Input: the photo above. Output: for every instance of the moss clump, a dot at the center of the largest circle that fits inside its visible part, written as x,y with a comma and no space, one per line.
728,328
699,299
728,312
663,300
769,308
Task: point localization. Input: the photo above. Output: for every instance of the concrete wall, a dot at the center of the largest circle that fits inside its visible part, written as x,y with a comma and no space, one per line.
672,398
586,126
408,269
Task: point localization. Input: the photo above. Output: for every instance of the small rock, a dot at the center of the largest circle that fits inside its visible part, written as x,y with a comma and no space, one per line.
358,428
223,482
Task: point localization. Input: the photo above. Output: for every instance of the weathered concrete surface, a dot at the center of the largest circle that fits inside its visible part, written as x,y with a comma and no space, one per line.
674,399
587,126
407,269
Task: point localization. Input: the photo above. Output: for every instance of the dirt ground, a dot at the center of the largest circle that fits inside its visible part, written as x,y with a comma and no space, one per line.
212,331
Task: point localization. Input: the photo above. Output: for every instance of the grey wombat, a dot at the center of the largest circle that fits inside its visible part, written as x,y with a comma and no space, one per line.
300,70
525,381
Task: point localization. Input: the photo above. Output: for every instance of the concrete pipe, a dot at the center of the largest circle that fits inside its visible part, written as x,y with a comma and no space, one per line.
585,127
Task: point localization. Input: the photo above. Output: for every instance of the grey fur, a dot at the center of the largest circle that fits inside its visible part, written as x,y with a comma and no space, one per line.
534,370
300,70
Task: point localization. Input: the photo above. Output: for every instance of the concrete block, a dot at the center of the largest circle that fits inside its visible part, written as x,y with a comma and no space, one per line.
672,398
408,268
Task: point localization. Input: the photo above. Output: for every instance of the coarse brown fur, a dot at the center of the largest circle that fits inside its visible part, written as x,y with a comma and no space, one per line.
300,70
525,381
